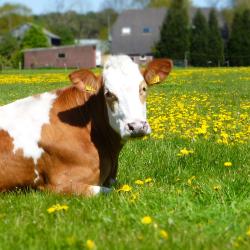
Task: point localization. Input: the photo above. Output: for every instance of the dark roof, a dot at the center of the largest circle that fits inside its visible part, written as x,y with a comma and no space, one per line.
20,31
137,42
142,43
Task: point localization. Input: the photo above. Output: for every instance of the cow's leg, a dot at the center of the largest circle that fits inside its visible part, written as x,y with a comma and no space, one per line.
76,189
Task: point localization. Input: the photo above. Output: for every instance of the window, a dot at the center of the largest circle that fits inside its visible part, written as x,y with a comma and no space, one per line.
126,31
146,30
61,55
142,58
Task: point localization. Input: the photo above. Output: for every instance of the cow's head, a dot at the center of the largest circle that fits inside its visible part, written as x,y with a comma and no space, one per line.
125,90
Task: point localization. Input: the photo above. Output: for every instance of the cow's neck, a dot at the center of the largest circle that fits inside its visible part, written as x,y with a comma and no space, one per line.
89,111
107,141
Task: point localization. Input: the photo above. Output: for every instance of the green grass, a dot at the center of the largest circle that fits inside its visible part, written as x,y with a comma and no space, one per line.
195,216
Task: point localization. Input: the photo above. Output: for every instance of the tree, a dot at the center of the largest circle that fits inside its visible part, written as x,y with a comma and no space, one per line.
8,44
174,36
34,38
13,15
239,41
246,37
215,42
159,3
241,4
235,43
120,5
199,40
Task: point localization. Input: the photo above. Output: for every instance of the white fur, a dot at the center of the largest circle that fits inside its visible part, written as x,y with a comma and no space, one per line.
23,120
122,77
98,189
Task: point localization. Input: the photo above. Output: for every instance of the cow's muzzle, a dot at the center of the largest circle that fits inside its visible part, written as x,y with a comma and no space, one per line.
138,128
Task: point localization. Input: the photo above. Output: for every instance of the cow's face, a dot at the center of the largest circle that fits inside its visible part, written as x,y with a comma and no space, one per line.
125,90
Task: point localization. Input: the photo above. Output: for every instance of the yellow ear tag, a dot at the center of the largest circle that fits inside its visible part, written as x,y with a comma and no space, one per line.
89,88
155,79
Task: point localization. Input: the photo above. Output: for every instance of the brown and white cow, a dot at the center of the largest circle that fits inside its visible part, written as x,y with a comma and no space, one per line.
68,141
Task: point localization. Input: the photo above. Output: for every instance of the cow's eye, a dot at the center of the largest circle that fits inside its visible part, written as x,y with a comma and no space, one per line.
110,96
143,90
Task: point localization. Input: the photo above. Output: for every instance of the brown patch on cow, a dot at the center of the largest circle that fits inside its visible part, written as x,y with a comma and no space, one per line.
16,171
143,91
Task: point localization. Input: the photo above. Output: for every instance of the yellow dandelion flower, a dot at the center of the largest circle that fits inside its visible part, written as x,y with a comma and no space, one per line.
164,234
134,197
148,180
146,220
57,207
190,180
217,187
125,188
139,182
185,152
90,244
248,232
228,164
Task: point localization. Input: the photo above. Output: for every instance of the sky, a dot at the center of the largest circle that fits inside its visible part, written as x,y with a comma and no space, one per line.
43,6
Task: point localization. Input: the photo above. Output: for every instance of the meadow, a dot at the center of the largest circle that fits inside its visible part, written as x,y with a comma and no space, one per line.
186,186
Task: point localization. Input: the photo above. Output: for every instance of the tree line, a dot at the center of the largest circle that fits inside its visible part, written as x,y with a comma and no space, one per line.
198,41
201,42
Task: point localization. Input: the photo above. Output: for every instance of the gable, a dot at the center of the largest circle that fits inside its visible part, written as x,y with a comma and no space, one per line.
137,23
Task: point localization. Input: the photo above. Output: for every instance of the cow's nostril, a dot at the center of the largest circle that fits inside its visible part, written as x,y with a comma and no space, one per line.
131,126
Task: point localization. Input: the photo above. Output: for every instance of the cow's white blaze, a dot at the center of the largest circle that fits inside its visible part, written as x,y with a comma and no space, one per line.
23,120
122,78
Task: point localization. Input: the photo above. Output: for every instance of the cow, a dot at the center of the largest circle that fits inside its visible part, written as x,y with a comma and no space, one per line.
68,141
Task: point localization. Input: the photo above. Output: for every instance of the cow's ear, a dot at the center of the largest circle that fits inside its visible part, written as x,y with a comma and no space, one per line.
157,70
84,80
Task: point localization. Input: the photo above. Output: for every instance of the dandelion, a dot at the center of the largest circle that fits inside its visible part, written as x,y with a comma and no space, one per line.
148,180
90,244
248,232
164,234
185,152
190,180
134,197
228,164
217,187
139,182
125,188
56,208
146,220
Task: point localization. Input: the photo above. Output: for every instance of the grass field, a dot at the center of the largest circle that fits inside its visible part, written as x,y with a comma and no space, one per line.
187,186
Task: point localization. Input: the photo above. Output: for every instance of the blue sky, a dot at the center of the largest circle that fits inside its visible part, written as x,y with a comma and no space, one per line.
42,6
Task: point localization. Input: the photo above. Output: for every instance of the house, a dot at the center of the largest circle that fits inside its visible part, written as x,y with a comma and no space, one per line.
19,33
136,32
75,56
